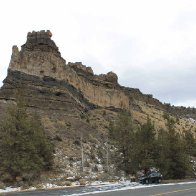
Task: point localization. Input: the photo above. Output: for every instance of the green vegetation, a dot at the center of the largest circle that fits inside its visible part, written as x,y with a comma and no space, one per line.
122,133
146,146
25,150
143,147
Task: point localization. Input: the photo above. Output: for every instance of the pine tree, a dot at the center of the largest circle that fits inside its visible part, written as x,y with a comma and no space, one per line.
122,133
146,146
25,150
190,143
173,160
162,161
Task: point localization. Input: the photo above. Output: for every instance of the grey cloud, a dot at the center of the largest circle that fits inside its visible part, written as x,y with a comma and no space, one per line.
185,21
169,84
152,48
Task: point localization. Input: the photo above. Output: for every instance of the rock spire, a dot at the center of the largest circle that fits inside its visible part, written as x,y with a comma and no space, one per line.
40,41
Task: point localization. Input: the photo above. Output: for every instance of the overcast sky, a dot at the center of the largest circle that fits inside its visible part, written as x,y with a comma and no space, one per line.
150,44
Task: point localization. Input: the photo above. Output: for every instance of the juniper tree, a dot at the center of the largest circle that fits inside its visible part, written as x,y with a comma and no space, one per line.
146,146
173,159
122,133
25,150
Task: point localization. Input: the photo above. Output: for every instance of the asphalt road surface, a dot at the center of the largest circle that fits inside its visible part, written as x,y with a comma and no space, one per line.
167,190
162,190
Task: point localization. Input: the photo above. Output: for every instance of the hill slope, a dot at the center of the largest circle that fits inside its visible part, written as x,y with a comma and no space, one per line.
76,105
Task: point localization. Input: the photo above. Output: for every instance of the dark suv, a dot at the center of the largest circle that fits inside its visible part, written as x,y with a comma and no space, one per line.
151,177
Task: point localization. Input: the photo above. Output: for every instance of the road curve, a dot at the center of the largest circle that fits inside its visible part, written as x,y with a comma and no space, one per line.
178,189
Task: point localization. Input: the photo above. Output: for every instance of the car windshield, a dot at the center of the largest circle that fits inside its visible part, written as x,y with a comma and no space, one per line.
154,174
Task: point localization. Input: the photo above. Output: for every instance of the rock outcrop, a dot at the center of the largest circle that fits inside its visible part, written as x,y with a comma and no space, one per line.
40,41
40,57
73,101
39,66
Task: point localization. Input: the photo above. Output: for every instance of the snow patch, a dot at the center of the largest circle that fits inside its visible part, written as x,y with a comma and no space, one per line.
192,120
9,189
125,186
98,187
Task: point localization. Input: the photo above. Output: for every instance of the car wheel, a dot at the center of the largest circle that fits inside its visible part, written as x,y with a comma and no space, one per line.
147,181
159,180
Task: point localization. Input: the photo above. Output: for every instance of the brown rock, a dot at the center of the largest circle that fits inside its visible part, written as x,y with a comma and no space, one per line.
72,100
112,77
40,41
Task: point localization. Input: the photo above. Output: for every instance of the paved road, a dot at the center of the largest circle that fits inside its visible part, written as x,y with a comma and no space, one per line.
168,190
162,190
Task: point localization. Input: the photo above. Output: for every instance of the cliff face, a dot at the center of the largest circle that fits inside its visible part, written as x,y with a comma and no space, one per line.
40,57
73,101
52,83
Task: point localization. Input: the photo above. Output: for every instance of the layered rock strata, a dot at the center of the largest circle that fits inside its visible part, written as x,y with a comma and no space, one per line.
73,101
40,57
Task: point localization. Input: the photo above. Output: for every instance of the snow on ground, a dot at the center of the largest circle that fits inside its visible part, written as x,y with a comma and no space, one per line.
124,186
192,120
9,189
97,187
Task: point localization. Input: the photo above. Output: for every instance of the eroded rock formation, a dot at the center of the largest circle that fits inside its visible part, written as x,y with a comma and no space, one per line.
40,57
72,100
39,65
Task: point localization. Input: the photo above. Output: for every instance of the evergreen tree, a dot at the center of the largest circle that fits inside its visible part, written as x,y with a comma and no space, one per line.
162,147
146,146
25,150
173,160
122,133
190,143
143,148
177,157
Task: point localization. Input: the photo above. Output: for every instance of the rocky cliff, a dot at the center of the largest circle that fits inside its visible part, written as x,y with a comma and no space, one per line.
75,103
40,57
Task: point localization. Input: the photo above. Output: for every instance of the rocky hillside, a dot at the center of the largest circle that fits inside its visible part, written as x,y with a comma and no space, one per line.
76,105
